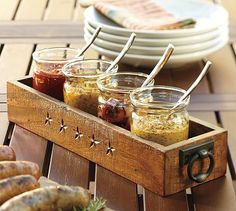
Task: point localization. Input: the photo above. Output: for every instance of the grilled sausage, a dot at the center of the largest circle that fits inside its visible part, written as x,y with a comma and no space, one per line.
49,198
14,168
7,153
14,186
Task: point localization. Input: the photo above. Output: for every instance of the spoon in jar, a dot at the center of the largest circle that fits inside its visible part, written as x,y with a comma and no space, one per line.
165,57
122,53
90,42
193,86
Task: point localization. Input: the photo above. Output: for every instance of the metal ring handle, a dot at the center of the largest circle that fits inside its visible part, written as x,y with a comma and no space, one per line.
200,177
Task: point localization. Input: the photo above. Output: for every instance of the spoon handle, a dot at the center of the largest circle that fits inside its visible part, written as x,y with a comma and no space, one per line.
95,34
194,85
122,53
165,57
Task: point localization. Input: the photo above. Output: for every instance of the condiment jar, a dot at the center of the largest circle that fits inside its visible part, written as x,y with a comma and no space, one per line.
80,88
152,117
48,63
114,102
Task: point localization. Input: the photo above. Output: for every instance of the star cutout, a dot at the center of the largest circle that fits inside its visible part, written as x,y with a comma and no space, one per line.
94,142
110,149
78,134
48,119
63,127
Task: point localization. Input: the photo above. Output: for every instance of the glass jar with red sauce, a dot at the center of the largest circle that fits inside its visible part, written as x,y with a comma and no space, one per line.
114,102
48,63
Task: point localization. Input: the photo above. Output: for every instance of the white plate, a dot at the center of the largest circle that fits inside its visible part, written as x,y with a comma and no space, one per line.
140,50
208,16
143,60
158,42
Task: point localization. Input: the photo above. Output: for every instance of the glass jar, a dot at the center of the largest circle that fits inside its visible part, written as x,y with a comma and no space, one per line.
114,102
48,63
152,117
80,88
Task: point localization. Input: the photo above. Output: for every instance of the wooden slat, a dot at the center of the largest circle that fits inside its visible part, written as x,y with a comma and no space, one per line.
68,168
34,10
60,10
158,203
14,62
217,195
120,193
3,126
28,146
13,68
11,30
7,9
223,78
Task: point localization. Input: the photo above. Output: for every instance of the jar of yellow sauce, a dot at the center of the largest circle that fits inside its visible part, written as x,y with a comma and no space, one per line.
152,116
80,87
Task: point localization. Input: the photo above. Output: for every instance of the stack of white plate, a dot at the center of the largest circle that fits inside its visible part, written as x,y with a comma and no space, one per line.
191,44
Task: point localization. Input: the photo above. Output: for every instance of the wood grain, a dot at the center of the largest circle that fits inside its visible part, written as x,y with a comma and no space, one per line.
8,9
138,155
158,203
34,10
68,168
121,194
28,146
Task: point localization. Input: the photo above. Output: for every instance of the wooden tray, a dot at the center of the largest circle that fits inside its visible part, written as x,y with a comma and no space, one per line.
157,168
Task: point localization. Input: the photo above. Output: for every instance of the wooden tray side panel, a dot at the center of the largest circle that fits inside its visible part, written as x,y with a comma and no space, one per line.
120,193
131,159
176,179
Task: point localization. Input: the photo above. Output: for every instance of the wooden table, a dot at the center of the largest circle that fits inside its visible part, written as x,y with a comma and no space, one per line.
26,25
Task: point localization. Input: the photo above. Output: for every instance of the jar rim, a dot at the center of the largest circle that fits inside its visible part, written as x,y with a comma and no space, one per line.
124,89
36,55
67,73
137,103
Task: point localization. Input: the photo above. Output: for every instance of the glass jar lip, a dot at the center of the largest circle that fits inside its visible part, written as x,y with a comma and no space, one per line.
36,55
125,90
67,73
137,103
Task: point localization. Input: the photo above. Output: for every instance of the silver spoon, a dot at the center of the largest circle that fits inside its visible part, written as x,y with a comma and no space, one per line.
90,42
122,53
165,57
194,85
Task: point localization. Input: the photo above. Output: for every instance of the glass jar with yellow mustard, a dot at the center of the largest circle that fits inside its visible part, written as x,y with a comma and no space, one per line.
80,87
152,116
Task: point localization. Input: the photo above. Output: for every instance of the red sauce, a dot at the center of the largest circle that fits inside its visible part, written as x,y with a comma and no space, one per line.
49,82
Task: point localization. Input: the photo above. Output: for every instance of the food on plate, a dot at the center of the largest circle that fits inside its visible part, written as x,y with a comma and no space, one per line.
49,198
14,168
7,153
141,14
16,185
